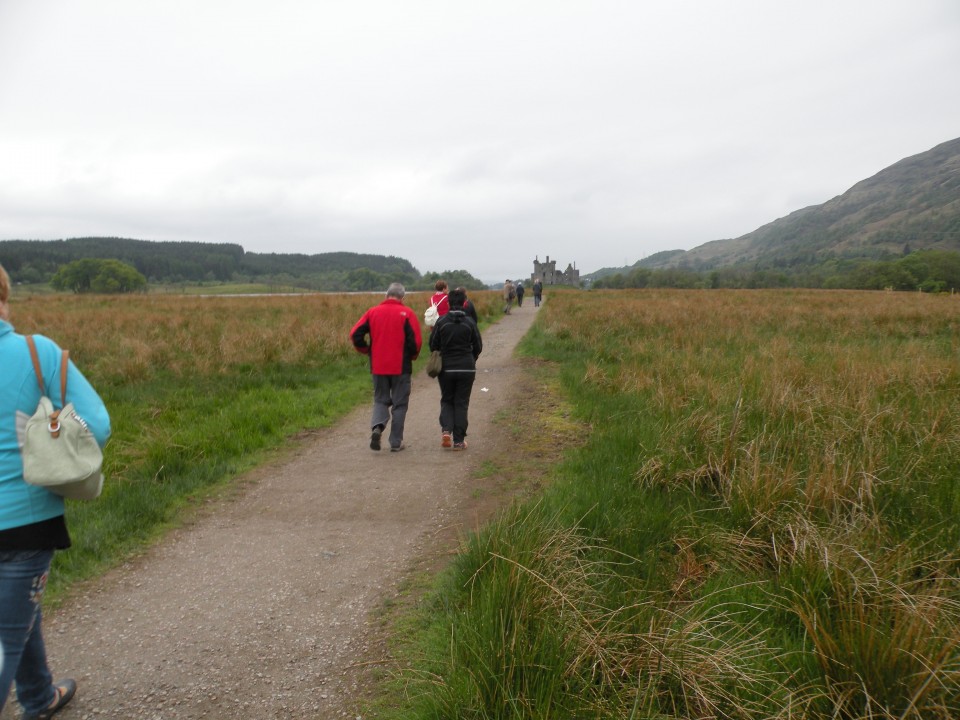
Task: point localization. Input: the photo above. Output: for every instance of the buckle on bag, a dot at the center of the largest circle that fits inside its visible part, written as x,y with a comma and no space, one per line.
54,425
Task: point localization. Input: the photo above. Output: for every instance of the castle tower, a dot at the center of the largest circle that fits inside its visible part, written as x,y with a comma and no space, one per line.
546,272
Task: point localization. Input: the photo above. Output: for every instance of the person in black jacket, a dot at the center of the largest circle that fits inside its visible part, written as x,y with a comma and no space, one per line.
458,339
468,306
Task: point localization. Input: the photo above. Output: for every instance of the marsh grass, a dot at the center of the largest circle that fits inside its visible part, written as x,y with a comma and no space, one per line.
762,522
529,633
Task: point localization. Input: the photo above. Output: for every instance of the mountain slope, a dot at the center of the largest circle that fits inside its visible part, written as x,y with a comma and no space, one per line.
911,205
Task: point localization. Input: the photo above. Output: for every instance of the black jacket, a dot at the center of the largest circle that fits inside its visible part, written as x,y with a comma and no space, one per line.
471,311
457,338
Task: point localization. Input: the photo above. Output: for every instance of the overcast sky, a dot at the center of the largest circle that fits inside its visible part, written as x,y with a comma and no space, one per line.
474,135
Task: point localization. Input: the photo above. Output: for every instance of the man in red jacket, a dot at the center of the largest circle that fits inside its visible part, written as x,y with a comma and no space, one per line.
394,343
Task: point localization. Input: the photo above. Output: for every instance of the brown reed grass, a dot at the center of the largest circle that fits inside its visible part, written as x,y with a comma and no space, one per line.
131,338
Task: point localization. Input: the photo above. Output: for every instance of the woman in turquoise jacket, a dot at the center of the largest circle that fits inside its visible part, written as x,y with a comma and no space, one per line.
32,524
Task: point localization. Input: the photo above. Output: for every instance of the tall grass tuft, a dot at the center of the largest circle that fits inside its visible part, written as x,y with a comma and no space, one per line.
885,634
529,634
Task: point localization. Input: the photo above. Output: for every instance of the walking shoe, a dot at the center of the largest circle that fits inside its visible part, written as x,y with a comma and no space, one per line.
397,448
63,693
375,438
446,440
460,445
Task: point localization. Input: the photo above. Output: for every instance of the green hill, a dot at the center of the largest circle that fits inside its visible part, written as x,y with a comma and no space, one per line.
911,205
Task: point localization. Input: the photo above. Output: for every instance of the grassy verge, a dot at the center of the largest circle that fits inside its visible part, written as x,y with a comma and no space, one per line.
761,524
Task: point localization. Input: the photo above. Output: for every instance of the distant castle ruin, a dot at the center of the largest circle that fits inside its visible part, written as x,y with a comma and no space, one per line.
546,272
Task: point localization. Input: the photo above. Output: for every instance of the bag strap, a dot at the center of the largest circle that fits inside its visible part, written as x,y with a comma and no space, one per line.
64,367
38,371
36,364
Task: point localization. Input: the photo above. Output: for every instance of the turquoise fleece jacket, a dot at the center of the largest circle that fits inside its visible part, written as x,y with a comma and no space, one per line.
22,504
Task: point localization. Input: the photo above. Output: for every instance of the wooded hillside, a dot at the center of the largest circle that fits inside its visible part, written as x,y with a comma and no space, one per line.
36,261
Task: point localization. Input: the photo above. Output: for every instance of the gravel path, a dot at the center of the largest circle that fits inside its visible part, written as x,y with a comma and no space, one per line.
262,607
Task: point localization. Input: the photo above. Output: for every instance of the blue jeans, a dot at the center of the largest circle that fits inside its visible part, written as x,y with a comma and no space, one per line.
23,577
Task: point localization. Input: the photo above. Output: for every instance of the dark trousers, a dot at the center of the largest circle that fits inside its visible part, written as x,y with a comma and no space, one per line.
391,393
455,388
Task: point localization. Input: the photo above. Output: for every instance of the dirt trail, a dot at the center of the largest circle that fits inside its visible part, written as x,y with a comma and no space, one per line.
261,608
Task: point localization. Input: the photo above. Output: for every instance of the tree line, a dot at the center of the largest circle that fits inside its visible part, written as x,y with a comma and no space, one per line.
44,261
923,270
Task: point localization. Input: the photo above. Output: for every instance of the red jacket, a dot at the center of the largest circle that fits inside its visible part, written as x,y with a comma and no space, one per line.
394,332
442,302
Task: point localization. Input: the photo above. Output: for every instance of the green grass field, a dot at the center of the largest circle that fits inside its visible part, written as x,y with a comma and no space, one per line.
761,522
